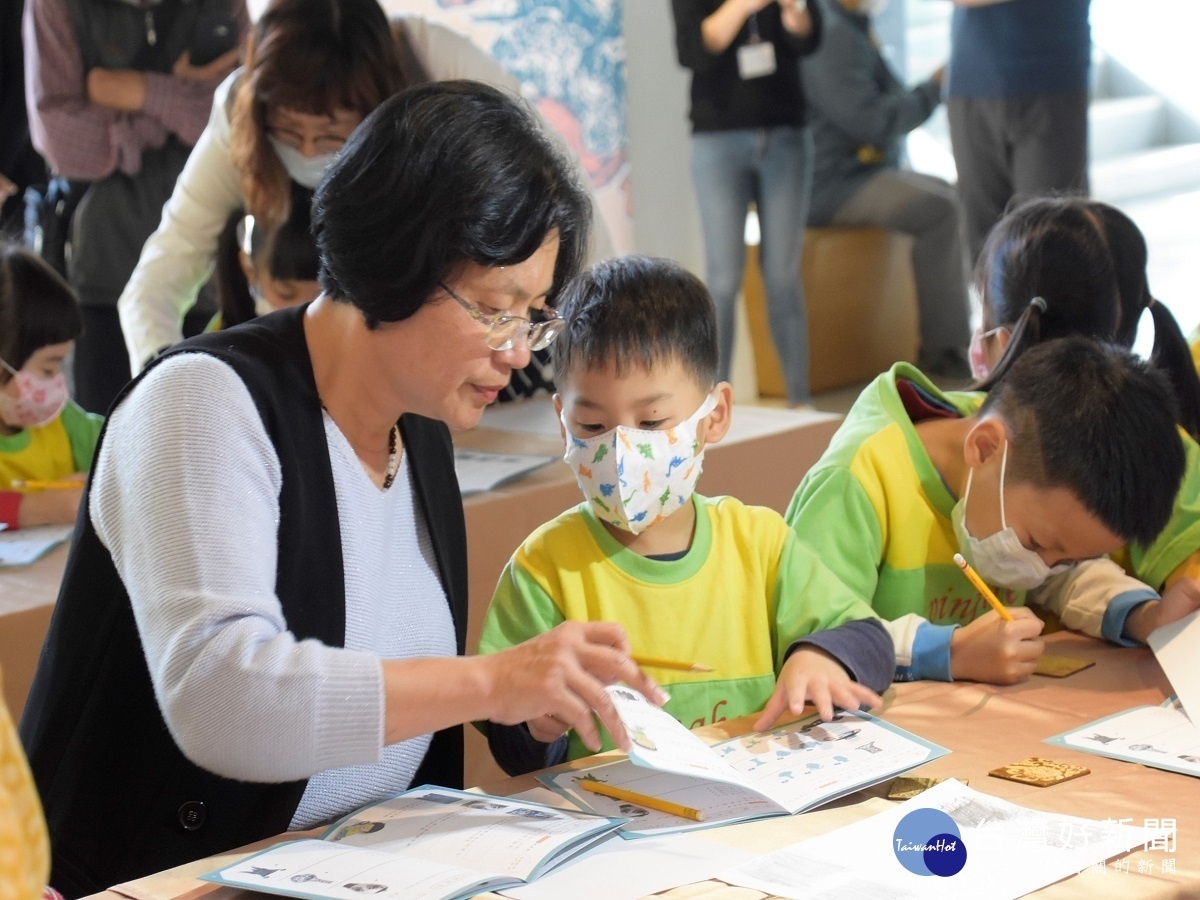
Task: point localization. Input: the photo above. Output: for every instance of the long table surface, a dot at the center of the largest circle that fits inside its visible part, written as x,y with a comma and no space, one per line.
985,726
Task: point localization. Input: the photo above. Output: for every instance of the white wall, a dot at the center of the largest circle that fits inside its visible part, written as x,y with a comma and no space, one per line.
666,221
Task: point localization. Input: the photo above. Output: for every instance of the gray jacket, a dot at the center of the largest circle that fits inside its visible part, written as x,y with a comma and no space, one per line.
858,109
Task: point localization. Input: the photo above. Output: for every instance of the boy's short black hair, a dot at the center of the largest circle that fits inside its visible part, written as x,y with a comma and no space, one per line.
637,311
37,307
1099,421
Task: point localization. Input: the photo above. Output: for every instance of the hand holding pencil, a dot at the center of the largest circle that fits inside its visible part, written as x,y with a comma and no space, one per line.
1000,647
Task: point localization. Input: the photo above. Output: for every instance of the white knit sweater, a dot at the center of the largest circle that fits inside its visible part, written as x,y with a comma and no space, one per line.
186,499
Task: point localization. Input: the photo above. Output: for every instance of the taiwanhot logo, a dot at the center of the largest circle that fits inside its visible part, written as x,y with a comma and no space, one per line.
928,842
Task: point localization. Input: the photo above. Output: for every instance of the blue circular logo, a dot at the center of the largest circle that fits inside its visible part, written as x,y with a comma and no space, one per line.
928,842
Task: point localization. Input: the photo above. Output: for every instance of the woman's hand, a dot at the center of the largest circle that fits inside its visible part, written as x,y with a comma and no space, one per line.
556,681
995,651
812,675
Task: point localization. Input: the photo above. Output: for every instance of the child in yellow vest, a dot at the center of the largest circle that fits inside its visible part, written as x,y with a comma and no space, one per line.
24,847
46,441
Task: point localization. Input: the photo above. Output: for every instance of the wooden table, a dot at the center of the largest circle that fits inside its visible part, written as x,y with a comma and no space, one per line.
985,727
27,596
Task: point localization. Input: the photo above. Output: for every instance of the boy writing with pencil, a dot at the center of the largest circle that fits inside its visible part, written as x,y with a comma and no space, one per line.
1073,454
692,579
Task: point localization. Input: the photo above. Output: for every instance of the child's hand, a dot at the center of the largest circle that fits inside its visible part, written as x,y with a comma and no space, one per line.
56,507
1180,599
811,674
995,651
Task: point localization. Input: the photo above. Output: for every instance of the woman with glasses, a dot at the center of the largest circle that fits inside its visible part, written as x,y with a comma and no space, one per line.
313,70
263,615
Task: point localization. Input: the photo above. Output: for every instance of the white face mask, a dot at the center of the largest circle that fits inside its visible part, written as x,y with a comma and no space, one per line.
306,171
1000,559
633,478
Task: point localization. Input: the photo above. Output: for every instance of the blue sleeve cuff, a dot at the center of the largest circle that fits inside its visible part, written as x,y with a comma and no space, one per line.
1112,628
930,654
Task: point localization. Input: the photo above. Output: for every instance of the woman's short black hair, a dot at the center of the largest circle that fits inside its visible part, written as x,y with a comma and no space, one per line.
440,175
37,307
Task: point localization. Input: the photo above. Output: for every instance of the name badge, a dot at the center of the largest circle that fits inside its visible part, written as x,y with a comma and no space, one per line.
756,60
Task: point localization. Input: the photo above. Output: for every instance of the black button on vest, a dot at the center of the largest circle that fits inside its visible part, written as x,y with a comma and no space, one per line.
192,815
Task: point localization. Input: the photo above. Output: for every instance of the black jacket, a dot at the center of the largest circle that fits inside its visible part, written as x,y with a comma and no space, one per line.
121,800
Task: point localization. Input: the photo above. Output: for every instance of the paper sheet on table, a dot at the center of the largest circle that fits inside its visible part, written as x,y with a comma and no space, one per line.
532,416
624,870
27,545
1011,850
1177,648
1158,736
480,470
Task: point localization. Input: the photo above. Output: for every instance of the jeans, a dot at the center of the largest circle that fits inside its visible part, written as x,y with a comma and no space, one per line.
926,208
771,167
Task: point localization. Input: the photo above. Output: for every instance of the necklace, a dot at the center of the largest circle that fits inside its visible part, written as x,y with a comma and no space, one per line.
393,458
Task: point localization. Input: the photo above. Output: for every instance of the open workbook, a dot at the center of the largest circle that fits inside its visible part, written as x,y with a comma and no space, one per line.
429,843
787,770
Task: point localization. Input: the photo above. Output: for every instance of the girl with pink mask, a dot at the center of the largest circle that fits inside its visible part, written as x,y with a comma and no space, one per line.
46,441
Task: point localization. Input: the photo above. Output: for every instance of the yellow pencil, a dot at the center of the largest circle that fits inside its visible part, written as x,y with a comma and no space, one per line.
47,485
974,578
657,663
616,793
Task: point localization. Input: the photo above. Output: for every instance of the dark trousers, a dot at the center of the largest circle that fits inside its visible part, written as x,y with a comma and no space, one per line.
100,367
1014,148
100,364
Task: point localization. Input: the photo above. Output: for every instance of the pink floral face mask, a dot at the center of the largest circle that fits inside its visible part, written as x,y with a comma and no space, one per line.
38,401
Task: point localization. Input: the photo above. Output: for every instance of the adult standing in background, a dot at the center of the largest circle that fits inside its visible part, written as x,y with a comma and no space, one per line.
860,114
1018,104
264,607
313,70
118,93
20,165
750,145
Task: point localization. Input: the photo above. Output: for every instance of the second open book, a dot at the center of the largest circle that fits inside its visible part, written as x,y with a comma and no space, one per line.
787,770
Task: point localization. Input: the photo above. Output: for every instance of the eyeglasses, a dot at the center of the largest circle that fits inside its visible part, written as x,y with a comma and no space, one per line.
504,331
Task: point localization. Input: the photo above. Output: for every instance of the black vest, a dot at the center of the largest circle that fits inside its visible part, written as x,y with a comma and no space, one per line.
120,798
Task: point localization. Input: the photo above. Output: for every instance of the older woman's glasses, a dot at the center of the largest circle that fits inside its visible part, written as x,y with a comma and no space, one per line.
504,331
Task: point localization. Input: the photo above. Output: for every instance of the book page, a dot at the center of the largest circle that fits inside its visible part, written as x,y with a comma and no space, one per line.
1158,736
1177,649
787,770
28,545
490,834
660,742
808,762
321,870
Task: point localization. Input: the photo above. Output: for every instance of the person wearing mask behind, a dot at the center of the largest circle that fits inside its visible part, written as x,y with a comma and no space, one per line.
46,441
116,99
1086,261
313,69
259,272
750,145
1017,101
860,113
